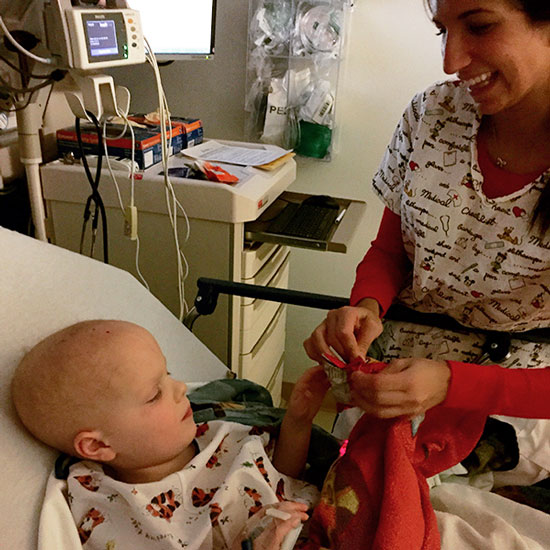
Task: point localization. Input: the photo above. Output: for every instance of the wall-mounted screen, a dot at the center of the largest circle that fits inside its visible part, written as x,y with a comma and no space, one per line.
178,29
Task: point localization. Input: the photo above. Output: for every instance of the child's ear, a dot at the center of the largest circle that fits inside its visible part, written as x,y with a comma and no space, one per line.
89,444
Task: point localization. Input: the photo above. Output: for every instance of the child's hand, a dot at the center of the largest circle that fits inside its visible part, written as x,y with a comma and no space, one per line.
267,532
291,449
307,395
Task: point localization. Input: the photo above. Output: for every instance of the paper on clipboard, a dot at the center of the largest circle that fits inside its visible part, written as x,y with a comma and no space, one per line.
214,151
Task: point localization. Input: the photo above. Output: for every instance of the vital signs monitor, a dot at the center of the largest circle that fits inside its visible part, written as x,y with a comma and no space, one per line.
87,39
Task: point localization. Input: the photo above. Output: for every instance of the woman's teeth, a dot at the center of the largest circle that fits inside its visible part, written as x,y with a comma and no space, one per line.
481,79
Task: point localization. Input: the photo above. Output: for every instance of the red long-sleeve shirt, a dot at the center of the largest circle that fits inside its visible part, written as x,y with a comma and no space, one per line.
385,267
511,392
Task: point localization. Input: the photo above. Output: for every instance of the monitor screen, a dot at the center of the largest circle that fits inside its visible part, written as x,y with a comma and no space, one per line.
178,29
106,38
102,38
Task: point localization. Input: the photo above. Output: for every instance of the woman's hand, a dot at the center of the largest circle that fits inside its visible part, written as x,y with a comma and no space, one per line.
307,396
348,330
407,387
268,532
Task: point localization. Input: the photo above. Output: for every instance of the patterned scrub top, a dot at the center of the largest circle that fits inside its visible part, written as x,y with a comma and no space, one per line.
203,506
474,258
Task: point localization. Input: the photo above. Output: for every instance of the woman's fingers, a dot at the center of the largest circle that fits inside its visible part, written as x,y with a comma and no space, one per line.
406,387
316,344
349,331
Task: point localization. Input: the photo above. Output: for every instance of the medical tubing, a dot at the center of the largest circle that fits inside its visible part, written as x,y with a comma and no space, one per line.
109,167
132,159
94,182
18,46
182,264
127,126
84,223
29,74
15,90
21,107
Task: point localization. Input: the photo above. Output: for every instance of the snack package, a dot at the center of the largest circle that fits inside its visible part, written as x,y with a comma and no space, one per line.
337,372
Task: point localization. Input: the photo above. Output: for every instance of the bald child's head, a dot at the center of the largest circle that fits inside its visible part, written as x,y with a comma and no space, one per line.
100,390
65,383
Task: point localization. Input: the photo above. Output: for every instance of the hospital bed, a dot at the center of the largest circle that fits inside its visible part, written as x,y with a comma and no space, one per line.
45,288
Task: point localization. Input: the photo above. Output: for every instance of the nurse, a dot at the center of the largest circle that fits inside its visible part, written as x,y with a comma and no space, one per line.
465,182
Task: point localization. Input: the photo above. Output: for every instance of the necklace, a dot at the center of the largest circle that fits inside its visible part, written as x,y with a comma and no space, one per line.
499,161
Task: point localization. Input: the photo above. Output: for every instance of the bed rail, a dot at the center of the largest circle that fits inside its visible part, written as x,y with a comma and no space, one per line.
209,290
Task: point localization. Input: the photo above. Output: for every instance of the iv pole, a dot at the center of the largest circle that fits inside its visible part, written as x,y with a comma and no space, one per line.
29,121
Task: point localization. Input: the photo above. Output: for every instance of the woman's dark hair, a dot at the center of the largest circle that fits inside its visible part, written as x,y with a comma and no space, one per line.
538,11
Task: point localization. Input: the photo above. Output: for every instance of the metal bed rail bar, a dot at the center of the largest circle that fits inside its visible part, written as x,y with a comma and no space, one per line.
209,290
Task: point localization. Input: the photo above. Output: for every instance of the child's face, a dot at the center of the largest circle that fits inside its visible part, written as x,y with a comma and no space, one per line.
148,416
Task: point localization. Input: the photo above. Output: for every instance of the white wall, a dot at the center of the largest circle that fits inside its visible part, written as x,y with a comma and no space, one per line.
392,53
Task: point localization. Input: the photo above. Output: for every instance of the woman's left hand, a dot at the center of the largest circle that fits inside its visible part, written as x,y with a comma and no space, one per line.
406,387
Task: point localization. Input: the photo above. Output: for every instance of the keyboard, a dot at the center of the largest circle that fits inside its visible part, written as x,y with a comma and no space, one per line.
304,220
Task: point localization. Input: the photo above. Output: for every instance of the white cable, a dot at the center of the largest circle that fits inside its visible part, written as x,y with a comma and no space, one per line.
166,110
137,265
172,203
117,188
132,158
179,205
171,199
47,61
109,167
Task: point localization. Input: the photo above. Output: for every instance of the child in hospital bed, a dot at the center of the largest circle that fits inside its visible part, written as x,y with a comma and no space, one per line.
150,477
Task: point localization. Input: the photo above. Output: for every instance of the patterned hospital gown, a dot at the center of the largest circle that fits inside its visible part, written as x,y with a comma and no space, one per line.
204,506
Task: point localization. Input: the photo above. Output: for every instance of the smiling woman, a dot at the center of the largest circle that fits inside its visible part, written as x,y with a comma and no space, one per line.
500,51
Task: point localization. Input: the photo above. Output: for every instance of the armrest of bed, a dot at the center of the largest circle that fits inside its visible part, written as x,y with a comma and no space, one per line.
210,289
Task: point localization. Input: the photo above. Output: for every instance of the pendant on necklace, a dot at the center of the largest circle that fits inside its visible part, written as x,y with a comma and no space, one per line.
501,163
